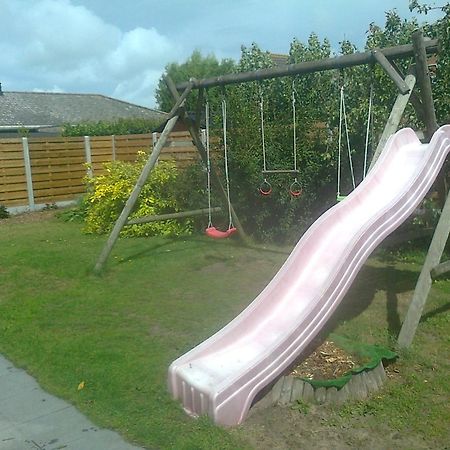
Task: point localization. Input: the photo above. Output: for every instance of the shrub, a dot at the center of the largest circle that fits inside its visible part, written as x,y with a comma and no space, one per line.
4,213
105,128
107,195
76,213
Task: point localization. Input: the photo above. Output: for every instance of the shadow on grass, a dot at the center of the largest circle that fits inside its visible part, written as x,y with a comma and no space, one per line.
370,280
360,296
435,312
152,247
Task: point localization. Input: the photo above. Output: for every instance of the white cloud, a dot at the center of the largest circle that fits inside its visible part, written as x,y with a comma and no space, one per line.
115,49
55,89
138,89
60,44
138,50
62,34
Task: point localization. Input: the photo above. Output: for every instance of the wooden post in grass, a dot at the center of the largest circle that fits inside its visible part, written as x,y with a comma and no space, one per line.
424,282
121,221
149,165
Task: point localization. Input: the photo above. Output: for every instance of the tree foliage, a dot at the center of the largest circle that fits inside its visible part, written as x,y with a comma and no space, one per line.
317,120
196,66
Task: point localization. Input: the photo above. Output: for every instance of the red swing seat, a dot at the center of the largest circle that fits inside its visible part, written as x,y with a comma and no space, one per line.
295,189
214,233
265,188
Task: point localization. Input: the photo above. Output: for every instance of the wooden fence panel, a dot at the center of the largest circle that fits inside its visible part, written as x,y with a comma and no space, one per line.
128,146
58,164
179,147
13,186
61,165
102,150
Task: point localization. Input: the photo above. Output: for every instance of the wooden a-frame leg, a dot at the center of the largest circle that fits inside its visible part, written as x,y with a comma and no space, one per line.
395,117
424,282
122,219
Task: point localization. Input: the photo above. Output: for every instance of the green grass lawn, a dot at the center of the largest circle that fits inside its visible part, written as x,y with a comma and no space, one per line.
158,298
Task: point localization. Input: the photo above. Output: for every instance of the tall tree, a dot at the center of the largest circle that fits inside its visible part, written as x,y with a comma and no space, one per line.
196,66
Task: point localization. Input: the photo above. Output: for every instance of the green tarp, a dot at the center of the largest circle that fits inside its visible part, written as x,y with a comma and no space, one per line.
373,354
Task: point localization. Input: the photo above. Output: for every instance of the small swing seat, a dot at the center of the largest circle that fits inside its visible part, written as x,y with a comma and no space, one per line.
265,188
339,198
214,233
295,189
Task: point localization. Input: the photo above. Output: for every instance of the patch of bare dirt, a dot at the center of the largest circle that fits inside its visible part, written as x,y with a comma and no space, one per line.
321,427
326,362
29,217
288,428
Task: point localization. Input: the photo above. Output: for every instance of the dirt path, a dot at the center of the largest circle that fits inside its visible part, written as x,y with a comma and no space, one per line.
29,217
321,428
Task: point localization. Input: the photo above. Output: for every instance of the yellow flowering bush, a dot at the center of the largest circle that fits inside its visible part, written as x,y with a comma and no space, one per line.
108,193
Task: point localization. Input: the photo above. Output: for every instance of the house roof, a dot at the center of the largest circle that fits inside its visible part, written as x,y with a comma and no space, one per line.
279,59
35,110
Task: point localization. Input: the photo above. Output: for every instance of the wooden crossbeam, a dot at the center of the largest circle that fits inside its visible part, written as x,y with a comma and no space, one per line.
390,70
268,172
339,62
176,215
440,269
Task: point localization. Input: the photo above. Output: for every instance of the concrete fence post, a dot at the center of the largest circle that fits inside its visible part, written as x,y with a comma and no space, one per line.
203,136
28,175
113,141
88,155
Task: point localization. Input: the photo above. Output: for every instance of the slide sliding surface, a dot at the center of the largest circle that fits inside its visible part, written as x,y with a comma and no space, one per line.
221,376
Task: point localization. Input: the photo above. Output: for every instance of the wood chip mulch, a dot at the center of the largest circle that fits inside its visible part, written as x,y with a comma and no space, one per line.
326,362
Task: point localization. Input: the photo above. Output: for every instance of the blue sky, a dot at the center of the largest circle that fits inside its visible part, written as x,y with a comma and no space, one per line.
120,49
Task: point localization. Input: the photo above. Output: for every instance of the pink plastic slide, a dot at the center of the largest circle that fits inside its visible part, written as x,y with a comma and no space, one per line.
221,376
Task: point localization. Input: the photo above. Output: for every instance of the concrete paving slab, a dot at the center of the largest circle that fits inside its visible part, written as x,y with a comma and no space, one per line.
65,425
14,383
9,439
29,404
32,419
6,367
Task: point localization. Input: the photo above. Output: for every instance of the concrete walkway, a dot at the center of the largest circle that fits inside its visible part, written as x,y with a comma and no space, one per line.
31,419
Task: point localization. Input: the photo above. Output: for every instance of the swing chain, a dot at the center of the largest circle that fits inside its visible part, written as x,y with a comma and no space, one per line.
295,189
208,161
225,150
368,127
263,140
343,122
265,187
294,121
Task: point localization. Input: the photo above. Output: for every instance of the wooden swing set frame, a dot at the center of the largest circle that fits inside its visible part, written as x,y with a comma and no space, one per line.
422,103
